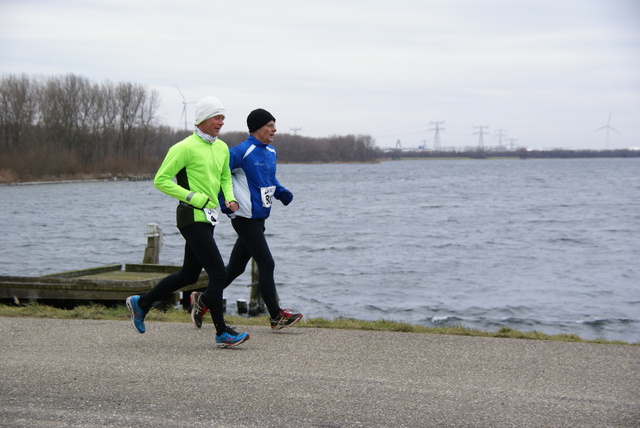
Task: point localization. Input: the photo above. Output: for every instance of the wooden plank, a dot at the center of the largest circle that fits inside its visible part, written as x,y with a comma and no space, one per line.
95,294
110,282
84,272
166,269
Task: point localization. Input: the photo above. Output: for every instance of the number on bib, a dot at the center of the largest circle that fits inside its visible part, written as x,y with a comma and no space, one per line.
266,194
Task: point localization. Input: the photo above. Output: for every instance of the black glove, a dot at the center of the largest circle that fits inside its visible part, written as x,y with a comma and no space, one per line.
286,197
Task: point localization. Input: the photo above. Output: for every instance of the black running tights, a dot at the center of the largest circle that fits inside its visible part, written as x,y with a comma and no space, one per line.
200,251
251,242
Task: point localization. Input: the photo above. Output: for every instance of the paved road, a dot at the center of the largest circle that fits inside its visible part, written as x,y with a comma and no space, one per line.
79,373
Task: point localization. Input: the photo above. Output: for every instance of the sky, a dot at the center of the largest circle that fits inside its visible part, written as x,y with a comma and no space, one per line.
525,73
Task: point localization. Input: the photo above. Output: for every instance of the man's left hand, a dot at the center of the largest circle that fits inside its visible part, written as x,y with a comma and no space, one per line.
233,205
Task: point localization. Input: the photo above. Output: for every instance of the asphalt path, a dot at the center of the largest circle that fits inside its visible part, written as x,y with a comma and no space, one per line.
86,373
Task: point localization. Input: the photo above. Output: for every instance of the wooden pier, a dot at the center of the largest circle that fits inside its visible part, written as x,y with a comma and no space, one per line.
99,284
102,284
114,283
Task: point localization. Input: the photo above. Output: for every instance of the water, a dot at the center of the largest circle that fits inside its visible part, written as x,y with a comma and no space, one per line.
545,245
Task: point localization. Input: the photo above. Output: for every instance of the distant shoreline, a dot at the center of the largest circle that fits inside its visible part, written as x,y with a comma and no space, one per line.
83,179
11,180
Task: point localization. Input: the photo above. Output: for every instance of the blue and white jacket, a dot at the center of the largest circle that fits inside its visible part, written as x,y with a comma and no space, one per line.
253,172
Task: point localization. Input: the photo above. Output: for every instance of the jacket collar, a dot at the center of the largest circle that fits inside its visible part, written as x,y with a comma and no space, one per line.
206,137
253,140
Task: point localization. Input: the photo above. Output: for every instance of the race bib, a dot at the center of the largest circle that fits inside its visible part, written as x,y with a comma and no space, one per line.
212,215
267,195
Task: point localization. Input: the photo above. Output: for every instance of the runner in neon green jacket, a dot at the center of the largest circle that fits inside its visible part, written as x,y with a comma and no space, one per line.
200,164
202,171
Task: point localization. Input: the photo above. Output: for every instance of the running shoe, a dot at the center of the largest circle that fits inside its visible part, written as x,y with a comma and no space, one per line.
198,309
137,314
230,338
286,318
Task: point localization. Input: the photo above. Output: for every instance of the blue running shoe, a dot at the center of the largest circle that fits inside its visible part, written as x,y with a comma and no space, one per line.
230,338
137,314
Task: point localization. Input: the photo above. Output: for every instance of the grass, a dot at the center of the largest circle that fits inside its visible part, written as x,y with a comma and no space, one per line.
99,312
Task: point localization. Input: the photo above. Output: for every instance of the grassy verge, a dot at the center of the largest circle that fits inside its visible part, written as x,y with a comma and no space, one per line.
99,312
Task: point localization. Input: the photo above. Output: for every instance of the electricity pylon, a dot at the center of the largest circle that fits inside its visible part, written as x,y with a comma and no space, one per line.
501,133
480,138
436,138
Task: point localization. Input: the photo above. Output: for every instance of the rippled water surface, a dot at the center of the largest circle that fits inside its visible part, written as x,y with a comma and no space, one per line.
546,245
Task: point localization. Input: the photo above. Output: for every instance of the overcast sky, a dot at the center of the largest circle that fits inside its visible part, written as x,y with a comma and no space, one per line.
535,73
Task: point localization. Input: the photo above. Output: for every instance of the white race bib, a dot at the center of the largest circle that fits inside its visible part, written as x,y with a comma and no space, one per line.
212,215
266,193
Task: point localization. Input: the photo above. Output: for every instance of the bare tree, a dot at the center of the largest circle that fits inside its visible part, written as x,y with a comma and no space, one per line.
18,110
69,125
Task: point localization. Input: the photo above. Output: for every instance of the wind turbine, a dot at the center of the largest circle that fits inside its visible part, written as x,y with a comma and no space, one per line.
608,127
184,107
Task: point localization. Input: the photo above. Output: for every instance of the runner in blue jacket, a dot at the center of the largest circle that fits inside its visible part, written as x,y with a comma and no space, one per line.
253,165
255,186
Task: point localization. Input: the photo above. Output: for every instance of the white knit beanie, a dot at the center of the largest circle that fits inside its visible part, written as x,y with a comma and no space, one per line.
207,108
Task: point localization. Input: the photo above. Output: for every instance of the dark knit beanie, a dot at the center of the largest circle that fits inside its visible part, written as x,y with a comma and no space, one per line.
258,118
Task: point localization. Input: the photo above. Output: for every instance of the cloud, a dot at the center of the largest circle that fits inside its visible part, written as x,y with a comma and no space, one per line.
548,71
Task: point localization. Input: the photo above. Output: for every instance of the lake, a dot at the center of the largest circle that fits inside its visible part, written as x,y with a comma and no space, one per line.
550,245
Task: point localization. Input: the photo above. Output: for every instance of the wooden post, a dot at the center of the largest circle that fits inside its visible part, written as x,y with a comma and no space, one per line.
256,304
154,242
242,306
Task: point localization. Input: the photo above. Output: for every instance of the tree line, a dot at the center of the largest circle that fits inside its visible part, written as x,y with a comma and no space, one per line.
293,148
69,127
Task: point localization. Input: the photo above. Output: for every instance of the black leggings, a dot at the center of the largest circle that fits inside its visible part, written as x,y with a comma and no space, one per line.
200,251
251,242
